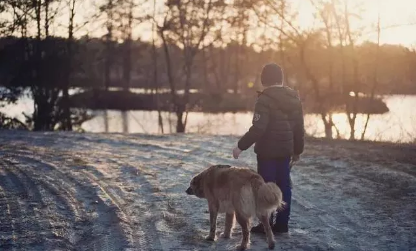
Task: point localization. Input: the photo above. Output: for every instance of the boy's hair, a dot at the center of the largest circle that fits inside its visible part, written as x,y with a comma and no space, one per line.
272,74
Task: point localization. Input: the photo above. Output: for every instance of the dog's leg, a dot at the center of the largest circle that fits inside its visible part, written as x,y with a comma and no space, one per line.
229,224
246,233
213,213
270,238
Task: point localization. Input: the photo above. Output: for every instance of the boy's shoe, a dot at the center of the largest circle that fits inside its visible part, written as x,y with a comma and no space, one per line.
280,229
259,229
277,229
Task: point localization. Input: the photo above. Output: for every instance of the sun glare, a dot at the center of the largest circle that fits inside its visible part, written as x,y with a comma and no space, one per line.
397,19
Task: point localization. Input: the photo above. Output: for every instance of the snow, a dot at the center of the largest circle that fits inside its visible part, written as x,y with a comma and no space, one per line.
90,191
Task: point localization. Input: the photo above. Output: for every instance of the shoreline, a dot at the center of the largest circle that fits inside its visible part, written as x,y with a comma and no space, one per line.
206,102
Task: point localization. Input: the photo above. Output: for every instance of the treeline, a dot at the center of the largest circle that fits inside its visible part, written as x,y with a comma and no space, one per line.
232,68
209,45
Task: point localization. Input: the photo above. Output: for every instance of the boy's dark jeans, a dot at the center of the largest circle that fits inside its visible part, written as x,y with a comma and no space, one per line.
278,171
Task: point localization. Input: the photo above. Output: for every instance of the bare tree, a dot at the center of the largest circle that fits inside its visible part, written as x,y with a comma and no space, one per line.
351,109
375,75
325,13
67,122
350,85
186,24
45,96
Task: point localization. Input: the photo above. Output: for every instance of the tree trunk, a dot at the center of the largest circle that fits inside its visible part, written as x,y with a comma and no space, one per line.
39,114
155,73
67,123
327,126
180,125
66,106
106,127
352,133
125,121
127,51
328,131
109,45
237,67
365,126
205,69
47,18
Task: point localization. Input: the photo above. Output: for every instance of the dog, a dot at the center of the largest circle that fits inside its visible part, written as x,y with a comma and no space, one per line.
239,193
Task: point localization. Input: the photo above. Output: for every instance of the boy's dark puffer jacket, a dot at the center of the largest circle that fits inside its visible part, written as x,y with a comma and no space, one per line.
277,128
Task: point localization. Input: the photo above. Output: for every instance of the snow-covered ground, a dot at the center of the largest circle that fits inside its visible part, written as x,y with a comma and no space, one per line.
69,191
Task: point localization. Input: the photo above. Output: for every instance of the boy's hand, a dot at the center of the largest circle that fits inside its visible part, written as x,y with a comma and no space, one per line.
295,158
236,152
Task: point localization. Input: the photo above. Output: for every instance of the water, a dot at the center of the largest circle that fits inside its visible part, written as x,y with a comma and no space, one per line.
398,125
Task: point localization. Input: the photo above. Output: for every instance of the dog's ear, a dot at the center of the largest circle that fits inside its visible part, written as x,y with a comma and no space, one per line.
196,180
196,187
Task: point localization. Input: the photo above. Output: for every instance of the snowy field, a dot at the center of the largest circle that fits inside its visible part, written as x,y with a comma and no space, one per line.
69,191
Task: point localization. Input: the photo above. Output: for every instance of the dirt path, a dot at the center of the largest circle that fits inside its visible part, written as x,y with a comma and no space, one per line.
71,191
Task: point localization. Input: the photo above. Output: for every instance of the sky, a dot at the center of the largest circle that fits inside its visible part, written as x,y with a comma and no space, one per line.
398,19
395,17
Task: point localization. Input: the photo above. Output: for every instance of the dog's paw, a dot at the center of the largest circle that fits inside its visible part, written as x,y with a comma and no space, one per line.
225,235
241,247
271,245
210,238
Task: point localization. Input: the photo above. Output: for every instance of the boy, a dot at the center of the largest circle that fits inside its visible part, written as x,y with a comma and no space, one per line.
278,134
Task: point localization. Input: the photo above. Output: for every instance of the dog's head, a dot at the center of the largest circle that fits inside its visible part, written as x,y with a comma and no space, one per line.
196,186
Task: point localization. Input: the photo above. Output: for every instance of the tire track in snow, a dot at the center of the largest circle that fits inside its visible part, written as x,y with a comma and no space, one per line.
8,235
143,203
141,239
152,202
59,208
21,204
116,198
102,231
145,235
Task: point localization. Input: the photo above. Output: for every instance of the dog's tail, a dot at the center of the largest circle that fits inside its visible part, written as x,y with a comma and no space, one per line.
268,195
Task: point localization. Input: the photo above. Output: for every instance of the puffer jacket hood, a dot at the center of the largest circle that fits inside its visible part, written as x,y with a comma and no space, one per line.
282,98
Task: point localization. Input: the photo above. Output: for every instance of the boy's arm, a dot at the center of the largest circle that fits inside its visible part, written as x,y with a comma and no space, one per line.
260,121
